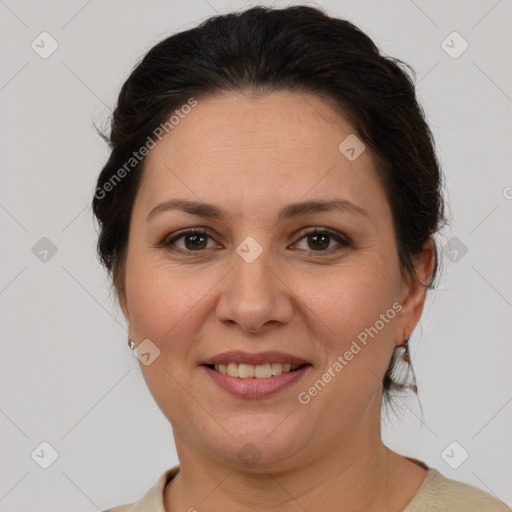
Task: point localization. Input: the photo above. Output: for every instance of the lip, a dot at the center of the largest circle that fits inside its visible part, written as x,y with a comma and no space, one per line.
241,357
253,387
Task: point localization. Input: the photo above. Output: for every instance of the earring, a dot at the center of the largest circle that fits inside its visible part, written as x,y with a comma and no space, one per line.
406,356
131,343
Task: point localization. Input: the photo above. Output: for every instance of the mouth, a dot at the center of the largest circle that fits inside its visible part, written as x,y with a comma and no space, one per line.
248,375
252,371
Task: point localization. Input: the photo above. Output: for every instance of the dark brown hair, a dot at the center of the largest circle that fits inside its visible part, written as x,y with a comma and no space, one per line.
262,50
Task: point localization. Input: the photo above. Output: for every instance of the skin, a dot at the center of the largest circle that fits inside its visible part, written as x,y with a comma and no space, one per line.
252,155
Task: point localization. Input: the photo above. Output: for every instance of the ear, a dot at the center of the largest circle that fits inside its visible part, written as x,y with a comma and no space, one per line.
119,286
123,303
413,291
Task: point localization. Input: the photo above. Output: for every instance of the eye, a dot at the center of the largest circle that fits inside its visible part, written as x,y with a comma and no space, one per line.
319,240
193,240
196,240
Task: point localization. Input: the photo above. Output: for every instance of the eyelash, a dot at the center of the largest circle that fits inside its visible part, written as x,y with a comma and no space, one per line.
343,241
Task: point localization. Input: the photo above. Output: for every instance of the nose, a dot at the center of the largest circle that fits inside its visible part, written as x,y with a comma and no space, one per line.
254,296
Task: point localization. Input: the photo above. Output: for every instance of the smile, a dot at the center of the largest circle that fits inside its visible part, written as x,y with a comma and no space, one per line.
250,371
255,381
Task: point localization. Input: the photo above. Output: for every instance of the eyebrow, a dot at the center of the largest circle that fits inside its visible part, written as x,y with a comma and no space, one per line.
210,211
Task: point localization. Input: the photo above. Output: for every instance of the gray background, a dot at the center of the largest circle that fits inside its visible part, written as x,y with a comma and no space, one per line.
67,375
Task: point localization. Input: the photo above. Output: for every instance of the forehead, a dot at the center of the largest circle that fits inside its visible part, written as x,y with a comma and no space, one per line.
282,145
243,123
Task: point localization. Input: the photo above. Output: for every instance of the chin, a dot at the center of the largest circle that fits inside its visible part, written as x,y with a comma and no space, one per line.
262,446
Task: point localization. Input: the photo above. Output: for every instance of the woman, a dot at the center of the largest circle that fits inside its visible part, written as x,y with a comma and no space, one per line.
268,214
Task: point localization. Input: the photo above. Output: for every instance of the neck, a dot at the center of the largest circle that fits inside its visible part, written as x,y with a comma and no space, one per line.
359,474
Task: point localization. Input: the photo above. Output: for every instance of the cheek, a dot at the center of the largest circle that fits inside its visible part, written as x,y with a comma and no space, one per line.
167,302
349,299
353,316
156,295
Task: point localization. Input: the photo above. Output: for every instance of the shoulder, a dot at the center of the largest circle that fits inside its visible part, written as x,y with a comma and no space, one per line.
153,500
120,508
441,494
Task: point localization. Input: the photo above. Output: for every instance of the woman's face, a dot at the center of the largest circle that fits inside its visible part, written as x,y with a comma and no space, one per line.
259,282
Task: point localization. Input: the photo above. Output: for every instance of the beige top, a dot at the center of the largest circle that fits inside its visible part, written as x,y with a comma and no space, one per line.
436,494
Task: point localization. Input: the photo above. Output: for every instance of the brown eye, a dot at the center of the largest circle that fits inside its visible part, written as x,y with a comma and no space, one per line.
318,241
321,241
191,240
197,241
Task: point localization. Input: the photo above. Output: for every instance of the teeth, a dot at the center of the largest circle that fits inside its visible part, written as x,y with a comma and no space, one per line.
259,371
277,368
232,369
263,371
245,371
